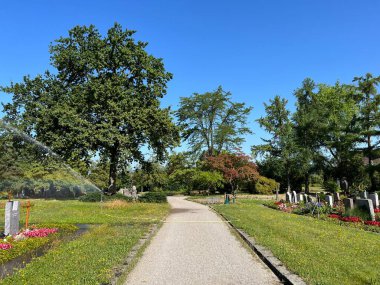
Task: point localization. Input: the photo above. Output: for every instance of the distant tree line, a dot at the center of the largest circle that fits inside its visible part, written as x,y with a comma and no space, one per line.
333,135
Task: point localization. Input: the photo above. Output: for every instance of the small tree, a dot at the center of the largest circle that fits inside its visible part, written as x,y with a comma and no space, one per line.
235,168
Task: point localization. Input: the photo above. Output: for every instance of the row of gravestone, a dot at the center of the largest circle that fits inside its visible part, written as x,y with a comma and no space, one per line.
293,197
368,202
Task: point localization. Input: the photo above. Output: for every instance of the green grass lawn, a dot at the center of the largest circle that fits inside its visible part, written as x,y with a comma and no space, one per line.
319,251
91,258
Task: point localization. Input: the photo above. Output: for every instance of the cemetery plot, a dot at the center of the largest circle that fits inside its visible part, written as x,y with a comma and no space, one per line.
363,210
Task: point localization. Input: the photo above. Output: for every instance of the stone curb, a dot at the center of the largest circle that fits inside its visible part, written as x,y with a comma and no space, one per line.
119,271
267,257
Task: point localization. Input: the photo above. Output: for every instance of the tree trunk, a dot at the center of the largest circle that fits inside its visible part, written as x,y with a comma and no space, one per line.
288,181
370,166
307,190
114,160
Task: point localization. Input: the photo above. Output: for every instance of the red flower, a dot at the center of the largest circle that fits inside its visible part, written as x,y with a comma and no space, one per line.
377,210
372,223
350,219
334,216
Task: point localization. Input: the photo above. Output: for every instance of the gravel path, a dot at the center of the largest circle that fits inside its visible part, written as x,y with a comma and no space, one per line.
195,246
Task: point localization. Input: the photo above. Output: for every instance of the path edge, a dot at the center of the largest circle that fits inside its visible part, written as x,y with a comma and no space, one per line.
274,264
120,273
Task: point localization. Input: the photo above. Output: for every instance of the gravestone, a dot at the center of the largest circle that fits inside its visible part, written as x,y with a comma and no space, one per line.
375,199
12,217
364,195
134,192
348,204
367,205
300,197
329,200
125,192
288,197
294,195
336,197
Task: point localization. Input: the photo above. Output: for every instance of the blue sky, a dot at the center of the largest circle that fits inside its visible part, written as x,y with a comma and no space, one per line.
255,49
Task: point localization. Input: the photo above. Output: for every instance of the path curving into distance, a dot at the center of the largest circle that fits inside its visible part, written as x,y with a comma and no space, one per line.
195,246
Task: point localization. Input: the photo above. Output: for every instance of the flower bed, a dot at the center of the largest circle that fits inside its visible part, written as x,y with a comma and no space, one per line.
335,213
31,239
372,223
28,233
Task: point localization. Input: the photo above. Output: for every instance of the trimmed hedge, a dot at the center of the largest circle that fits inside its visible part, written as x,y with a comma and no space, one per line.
153,197
97,197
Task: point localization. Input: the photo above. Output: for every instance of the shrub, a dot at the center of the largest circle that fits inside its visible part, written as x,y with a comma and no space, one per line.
97,197
153,197
331,186
265,185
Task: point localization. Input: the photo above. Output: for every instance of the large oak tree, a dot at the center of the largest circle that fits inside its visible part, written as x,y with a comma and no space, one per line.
103,99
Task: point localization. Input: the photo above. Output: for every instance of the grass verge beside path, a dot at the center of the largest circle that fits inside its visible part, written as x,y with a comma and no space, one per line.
91,258
319,251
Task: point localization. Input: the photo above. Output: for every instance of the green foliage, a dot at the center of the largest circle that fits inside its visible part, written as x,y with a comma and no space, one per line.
151,177
211,122
280,151
153,197
182,180
207,180
104,98
331,186
369,120
264,185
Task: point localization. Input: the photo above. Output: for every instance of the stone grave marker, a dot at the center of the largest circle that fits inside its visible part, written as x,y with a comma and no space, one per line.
134,192
367,205
364,195
300,197
329,200
294,195
348,204
288,197
375,199
336,196
12,217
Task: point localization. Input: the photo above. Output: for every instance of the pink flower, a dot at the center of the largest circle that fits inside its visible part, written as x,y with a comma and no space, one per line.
40,232
5,246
